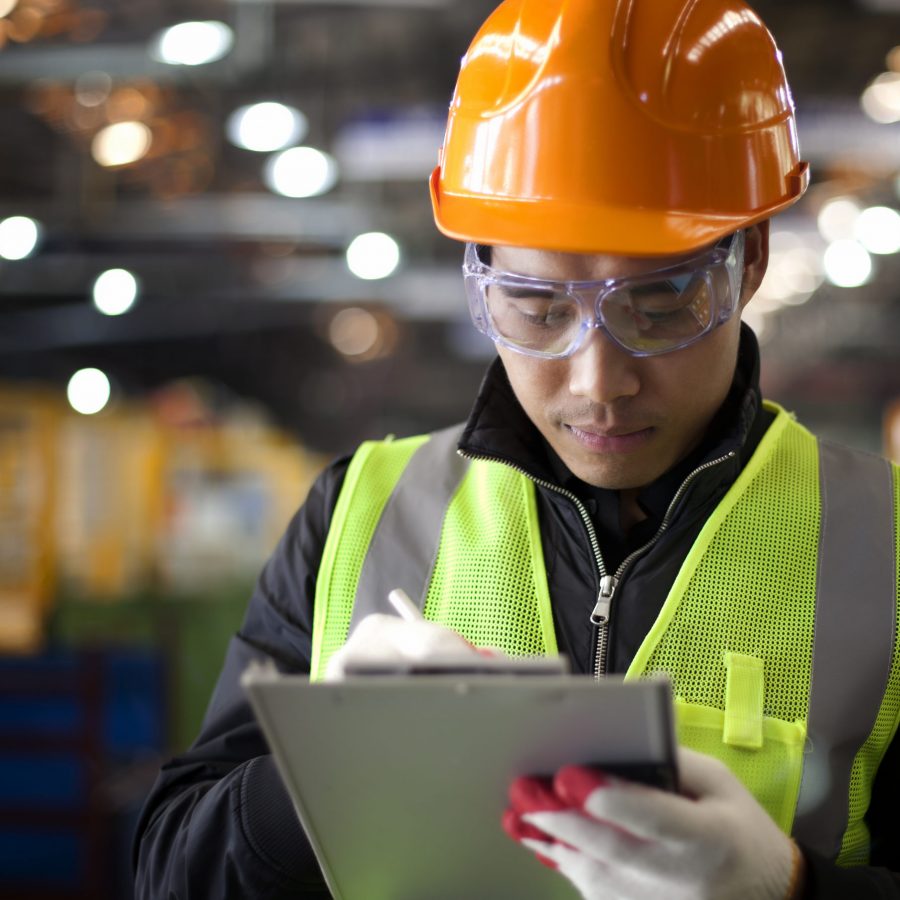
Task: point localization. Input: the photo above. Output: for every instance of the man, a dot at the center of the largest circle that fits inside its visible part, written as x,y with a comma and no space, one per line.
620,492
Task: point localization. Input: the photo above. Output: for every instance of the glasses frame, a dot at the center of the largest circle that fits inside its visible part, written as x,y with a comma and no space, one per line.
727,254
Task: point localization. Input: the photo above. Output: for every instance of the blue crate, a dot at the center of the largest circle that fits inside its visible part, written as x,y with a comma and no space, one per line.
132,694
38,857
45,717
43,781
134,707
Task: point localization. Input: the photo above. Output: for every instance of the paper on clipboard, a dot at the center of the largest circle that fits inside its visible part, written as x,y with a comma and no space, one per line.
400,783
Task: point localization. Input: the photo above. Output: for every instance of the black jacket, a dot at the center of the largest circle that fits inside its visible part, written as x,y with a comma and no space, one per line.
218,823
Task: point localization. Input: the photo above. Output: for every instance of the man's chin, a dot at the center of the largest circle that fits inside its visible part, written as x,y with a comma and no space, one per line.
611,477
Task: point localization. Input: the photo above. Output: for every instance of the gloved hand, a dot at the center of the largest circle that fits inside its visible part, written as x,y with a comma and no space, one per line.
617,839
381,638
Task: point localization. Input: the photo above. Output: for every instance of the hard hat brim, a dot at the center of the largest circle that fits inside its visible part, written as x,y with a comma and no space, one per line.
621,231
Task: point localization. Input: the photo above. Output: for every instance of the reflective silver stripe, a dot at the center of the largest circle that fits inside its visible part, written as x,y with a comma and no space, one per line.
403,548
854,635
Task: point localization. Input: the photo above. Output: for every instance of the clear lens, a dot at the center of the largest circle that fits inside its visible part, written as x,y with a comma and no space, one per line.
659,315
546,321
656,313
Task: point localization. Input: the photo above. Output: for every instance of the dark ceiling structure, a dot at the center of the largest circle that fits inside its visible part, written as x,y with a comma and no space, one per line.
239,286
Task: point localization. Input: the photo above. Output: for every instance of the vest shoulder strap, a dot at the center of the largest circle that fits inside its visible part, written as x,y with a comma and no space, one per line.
370,478
405,542
854,689
460,536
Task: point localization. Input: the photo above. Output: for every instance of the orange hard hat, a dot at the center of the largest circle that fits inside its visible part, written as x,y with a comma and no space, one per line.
635,127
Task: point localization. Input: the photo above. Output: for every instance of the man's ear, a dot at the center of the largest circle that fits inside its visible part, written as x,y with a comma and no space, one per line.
756,259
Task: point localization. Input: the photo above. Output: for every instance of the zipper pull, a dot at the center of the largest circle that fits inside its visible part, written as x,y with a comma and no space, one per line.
600,615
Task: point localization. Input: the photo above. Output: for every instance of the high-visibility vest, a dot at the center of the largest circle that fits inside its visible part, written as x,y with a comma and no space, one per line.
779,633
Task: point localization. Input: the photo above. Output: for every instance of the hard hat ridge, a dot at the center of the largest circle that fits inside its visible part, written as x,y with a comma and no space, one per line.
717,68
617,126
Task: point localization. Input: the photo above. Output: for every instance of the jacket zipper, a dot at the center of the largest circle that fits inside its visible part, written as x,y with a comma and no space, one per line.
600,614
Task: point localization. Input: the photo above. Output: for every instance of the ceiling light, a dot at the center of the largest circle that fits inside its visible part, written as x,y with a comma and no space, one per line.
878,229
121,144
373,255
88,391
266,126
881,99
847,264
115,291
193,43
301,172
837,218
19,237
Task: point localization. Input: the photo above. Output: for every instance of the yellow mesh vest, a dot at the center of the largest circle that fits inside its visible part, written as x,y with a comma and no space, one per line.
736,633
748,587
488,581
737,625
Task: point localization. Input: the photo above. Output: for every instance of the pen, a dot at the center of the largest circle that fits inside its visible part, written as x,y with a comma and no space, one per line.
409,612
406,609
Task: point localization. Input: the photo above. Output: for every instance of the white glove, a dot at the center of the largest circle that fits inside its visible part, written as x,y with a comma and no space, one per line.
382,638
617,839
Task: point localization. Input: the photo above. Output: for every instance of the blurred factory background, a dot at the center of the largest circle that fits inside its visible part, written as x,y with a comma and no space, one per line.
218,270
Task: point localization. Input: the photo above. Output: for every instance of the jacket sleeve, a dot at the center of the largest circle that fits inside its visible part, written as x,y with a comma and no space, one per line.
826,881
218,822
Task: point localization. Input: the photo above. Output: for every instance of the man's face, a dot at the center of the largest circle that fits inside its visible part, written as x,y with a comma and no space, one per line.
619,421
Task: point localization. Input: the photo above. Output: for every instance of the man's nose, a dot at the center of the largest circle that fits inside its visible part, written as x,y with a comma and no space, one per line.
601,371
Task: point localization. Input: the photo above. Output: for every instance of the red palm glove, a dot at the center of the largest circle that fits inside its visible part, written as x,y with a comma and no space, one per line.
617,839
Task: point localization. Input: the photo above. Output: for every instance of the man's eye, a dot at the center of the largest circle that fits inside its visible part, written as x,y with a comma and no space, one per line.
661,302
545,316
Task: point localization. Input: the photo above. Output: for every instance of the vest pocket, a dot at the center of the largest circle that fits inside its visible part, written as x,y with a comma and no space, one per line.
771,771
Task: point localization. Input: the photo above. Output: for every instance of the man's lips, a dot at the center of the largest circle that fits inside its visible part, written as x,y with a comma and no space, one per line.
618,439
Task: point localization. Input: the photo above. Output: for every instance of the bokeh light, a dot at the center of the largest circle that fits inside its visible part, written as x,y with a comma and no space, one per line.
193,43
19,237
88,391
837,218
115,292
793,274
881,99
121,144
24,23
893,59
92,88
128,104
847,264
373,255
301,172
354,331
266,126
878,229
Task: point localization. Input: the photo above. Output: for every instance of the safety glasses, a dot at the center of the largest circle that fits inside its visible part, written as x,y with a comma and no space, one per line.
646,315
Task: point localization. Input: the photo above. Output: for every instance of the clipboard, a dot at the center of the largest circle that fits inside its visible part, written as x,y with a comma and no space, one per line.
400,783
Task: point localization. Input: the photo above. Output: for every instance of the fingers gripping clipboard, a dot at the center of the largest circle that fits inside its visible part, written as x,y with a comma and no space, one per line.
400,783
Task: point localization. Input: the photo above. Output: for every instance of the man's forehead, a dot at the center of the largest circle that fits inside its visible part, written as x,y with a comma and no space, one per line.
559,266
